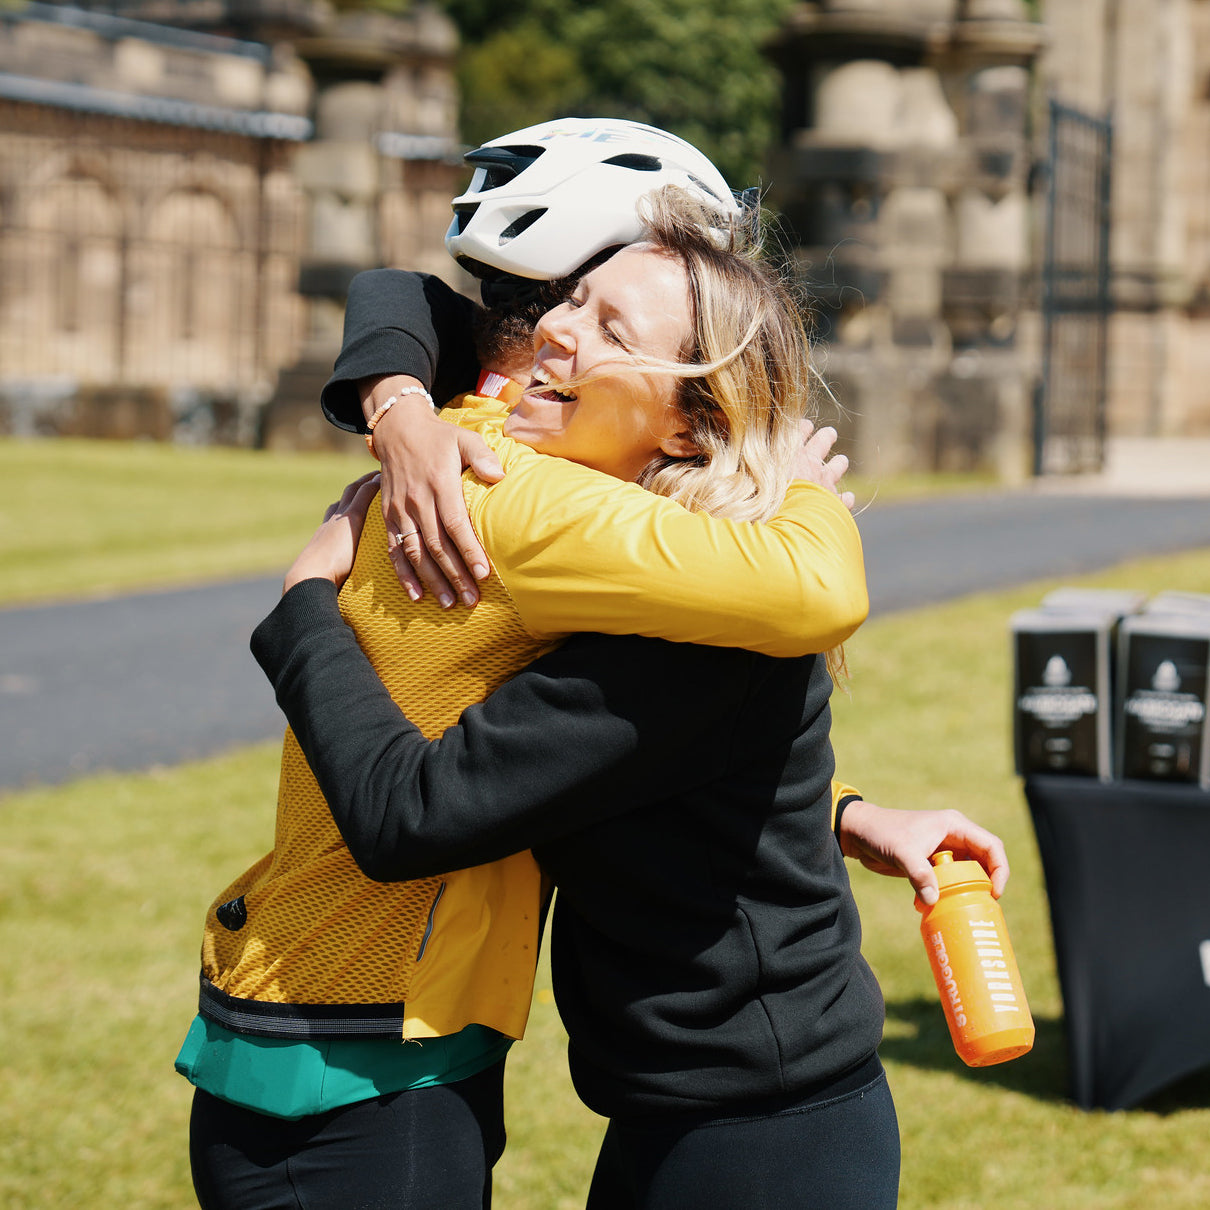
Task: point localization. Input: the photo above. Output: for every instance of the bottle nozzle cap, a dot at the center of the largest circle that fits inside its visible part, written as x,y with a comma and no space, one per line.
951,873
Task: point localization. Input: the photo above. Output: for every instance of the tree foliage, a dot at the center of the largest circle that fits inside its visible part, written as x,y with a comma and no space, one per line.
694,67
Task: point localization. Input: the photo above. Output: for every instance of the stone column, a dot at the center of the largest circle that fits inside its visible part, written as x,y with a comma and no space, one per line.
349,173
906,198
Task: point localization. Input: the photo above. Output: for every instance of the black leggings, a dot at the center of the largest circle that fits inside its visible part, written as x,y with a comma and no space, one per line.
839,1153
424,1149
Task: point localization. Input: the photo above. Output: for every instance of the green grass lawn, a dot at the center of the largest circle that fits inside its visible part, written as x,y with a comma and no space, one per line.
104,883
928,724
86,517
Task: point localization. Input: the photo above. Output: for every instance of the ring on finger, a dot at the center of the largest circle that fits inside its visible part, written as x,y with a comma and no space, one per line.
400,537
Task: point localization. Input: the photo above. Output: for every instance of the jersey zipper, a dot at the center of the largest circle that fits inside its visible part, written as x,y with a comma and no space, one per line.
428,928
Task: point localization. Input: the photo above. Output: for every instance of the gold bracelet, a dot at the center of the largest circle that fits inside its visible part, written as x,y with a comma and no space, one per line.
382,410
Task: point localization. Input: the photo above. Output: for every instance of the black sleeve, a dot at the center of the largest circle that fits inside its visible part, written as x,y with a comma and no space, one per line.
401,323
583,733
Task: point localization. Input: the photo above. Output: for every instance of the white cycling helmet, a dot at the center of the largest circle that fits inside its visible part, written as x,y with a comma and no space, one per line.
546,199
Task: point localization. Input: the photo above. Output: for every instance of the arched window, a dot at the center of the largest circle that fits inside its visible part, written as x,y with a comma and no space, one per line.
70,281
191,292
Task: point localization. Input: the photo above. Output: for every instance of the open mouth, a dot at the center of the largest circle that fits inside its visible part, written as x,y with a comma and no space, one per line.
542,387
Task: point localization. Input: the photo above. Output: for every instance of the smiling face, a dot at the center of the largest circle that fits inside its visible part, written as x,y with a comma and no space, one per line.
633,308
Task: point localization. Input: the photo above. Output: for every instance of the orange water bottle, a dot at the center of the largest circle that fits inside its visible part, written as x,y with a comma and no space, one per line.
972,960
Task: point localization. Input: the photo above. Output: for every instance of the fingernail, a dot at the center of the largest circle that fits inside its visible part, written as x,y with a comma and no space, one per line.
479,571
469,598
413,593
446,599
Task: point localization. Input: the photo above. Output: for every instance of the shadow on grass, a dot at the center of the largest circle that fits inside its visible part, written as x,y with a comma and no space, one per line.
1192,1092
917,1037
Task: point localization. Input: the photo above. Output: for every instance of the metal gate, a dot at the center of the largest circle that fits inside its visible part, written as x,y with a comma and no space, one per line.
1069,404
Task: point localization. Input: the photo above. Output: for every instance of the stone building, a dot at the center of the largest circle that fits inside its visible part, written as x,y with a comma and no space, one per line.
185,190
974,314
904,176
186,187
1146,63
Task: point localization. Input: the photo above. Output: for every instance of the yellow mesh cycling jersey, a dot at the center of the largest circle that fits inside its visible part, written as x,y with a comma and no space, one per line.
303,944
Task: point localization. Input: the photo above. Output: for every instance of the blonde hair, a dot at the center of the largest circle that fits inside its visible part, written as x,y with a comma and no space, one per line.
744,382
746,379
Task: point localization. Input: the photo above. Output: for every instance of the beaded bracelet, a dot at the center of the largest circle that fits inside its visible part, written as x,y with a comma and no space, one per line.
382,410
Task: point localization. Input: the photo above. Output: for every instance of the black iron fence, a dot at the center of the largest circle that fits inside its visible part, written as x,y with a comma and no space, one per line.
1069,405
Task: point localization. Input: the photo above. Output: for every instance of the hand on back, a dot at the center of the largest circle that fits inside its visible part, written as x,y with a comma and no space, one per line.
813,463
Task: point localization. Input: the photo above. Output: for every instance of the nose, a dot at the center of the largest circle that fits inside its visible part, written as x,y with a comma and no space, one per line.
556,329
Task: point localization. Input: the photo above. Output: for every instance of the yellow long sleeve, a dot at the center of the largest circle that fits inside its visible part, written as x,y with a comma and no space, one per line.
579,550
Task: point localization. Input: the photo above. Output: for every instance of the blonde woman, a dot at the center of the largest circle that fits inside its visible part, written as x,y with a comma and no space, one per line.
707,948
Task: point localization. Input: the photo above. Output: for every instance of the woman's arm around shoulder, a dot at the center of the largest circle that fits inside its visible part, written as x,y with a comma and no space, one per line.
579,550
582,734
400,323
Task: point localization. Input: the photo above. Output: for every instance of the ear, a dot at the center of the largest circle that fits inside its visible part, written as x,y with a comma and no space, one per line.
680,445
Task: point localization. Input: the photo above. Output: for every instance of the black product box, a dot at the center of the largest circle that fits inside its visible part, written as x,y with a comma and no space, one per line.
1063,691
1165,669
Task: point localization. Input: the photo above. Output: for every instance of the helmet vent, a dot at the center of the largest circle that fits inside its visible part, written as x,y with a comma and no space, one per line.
462,216
523,223
639,163
522,151
496,175
501,164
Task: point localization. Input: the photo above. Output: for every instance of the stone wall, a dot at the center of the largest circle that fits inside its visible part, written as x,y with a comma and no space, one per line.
903,175
180,211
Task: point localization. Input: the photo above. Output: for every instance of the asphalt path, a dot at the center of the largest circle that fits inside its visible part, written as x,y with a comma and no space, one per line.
160,678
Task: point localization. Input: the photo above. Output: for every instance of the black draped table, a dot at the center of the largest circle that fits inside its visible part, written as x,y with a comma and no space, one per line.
1127,867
